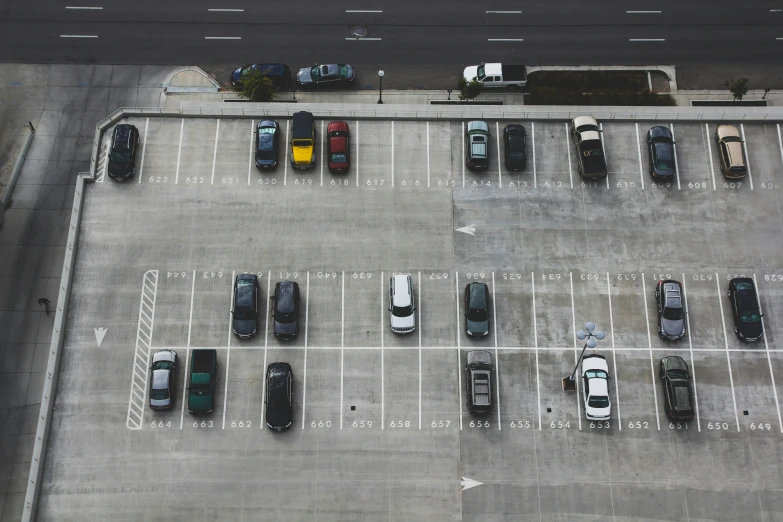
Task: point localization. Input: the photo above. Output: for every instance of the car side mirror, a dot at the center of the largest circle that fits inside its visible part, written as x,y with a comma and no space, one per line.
389,309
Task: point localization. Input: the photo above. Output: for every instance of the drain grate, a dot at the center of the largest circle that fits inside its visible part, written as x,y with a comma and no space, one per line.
359,31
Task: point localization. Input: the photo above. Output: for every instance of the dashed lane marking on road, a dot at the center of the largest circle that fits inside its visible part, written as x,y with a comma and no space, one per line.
78,36
362,11
78,8
647,39
505,40
222,38
226,10
504,12
141,358
643,12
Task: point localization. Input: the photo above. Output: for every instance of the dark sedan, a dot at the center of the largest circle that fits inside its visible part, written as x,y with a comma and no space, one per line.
660,148
477,309
671,311
285,310
333,74
267,144
677,389
279,396
245,314
515,146
164,371
745,309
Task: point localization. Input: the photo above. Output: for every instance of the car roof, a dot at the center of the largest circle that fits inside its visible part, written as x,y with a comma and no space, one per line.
267,123
590,136
401,296
660,132
245,294
492,69
478,125
164,355
728,130
478,295
594,362
271,69
160,379
285,296
479,356
584,120
599,387
338,143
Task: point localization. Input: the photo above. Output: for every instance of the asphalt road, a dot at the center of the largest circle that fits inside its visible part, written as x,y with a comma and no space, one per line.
420,45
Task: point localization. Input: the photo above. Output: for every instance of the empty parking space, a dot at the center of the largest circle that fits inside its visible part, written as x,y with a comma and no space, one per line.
443,173
756,400
175,291
364,303
410,154
512,292
622,144
161,150
321,385
362,389
197,152
243,389
441,395
435,300
325,308
212,303
232,159
374,154
402,378
519,390
550,143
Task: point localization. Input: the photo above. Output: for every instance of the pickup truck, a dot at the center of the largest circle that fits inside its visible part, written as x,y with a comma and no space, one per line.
303,141
201,387
495,75
591,160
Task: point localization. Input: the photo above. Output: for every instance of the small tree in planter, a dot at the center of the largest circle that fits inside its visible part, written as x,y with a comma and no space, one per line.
738,88
469,89
257,87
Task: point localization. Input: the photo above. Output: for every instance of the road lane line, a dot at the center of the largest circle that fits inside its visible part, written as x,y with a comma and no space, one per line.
214,155
179,150
228,344
505,40
226,10
649,342
647,39
497,141
362,11
676,163
568,150
614,355
504,12
84,8
459,358
709,153
639,154
307,326
769,360
690,348
726,343
144,148
643,12
342,346
747,158
535,341
576,349
497,359
419,307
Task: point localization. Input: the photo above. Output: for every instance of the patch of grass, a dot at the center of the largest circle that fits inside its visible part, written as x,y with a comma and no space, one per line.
590,81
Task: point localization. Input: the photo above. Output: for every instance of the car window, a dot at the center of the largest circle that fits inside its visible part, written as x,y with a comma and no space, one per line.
682,396
339,157
477,314
596,374
729,139
120,156
480,74
672,314
598,401
402,311
159,394
343,71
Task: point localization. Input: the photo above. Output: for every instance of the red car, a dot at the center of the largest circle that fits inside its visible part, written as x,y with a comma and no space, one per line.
338,147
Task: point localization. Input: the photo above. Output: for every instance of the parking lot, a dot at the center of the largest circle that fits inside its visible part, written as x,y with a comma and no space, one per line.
380,423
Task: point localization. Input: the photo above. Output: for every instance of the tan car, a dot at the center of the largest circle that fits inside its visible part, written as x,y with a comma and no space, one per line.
730,150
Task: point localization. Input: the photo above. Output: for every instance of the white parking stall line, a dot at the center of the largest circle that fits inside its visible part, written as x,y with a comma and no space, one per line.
690,348
287,149
709,153
184,388
307,323
266,315
766,347
649,342
459,358
263,395
357,153
392,153
497,359
639,154
462,160
726,343
428,156
141,356
576,348
252,147
383,306
497,141
533,139
179,149
214,155
535,341
192,296
568,150
228,345
606,160
144,148
383,320
614,355
342,350
419,307
322,155
780,143
676,163
747,158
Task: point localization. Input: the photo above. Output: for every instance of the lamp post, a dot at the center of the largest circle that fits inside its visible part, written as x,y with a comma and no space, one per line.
380,87
590,334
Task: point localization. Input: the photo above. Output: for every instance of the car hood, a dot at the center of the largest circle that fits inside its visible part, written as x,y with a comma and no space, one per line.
403,322
672,327
751,330
291,328
478,328
245,327
201,402
470,72
119,169
278,417
303,76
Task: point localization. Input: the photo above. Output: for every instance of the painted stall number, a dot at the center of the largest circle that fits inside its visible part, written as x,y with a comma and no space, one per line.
589,184
590,277
729,277
194,179
203,424
267,181
307,181
241,424
697,184
479,424
162,424
733,184
518,184
175,275
439,275
229,181
482,183
284,275
559,425
410,183
340,182
326,275
361,424
512,277
475,275
550,277
773,277
520,424
770,185
702,277
660,184
678,425
626,184
753,426
659,276
400,424
321,424
362,275
556,184
447,183
375,182
159,179
626,277
599,424
440,424
639,425
212,275
717,425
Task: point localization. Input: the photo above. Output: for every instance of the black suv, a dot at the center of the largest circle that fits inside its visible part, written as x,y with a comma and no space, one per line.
279,396
245,313
515,146
285,310
477,309
267,144
671,311
478,380
745,309
122,156
677,388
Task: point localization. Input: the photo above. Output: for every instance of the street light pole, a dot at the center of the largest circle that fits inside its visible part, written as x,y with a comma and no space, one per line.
590,334
380,87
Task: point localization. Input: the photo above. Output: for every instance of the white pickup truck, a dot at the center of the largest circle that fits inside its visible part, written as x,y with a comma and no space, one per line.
495,75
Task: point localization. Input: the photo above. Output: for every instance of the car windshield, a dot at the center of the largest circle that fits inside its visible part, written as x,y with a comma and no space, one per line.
315,72
343,71
339,157
159,395
673,314
662,164
266,130
596,374
598,401
751,316
480,74
477,314
585,128
120,157
285,317
678,373
729,139
402,311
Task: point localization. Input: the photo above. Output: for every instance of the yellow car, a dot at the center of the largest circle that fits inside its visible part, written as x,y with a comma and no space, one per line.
303,141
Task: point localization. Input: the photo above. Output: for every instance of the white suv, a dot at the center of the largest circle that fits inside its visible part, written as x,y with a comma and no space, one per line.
595,386
401,304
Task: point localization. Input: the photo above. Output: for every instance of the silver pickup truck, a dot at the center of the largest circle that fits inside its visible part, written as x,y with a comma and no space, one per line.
496,75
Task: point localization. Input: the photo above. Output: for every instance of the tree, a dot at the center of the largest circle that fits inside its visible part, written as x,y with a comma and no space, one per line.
738,88
469,89
257,87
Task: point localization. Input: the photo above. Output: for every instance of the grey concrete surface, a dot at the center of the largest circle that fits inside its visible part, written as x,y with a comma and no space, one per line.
555,252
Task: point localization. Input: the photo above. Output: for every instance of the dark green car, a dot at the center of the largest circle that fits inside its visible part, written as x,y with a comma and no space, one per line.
477,309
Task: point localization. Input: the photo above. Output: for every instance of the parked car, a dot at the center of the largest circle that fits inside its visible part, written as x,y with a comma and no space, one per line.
515,146
671,310
203,381
745,309
332,74
660,148
278,73
477,309
267,144
490,75
401,304
303,140
730,151
164,372
595,387
591,162
285,310
279,399
122,153
677,388
338,147
477,145
478,382
245,315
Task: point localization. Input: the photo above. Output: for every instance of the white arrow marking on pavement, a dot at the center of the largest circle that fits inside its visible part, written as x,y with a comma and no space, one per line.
99,335
469,483
470,229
